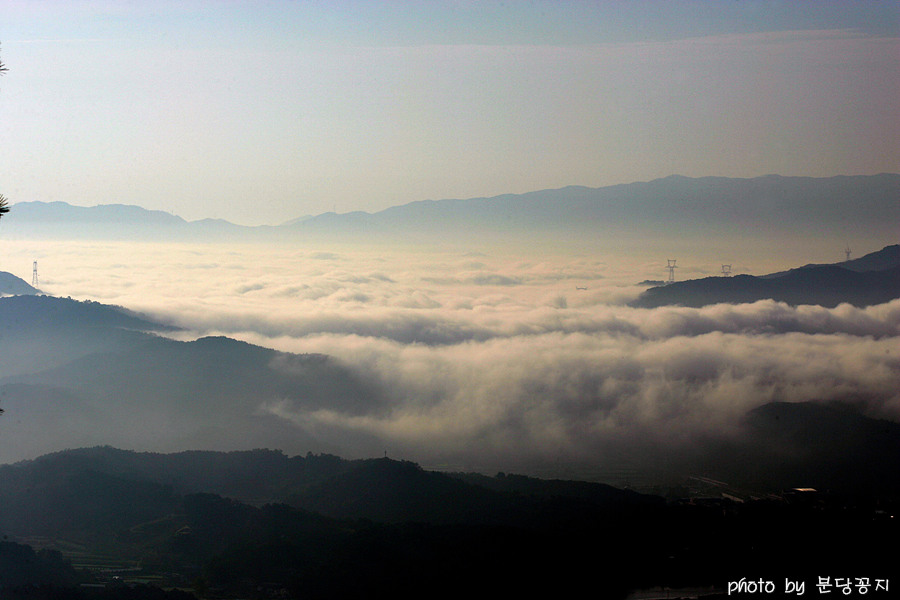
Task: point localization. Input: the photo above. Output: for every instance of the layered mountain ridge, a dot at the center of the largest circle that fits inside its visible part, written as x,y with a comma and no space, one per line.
854,205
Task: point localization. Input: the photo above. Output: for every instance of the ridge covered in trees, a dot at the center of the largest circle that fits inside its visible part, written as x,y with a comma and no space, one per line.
322,527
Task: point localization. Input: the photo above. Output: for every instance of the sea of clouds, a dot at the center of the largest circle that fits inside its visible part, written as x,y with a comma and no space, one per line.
496,357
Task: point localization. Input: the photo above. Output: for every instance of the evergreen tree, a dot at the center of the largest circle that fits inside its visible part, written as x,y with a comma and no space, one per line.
4,203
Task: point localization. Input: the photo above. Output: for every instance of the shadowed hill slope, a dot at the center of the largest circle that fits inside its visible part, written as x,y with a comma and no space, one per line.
10,285
828,446
84,373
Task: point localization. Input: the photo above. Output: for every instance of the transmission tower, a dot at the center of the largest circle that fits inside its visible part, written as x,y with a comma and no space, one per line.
847,252
671,267
726,270
34,277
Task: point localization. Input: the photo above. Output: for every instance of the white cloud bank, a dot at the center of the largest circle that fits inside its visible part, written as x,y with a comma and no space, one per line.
500,360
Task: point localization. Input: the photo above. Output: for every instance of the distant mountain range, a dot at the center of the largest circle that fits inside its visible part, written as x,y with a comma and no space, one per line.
853,205
872,279
49,220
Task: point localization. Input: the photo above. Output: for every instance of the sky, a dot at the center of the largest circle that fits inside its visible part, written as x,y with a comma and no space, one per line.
261,112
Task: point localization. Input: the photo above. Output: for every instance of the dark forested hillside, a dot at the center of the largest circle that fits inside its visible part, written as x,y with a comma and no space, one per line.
350,528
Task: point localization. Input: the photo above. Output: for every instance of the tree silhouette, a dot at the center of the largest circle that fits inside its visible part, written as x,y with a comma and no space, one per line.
4,203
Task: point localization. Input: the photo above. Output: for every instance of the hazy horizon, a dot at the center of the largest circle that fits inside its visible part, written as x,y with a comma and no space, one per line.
414,201
262,113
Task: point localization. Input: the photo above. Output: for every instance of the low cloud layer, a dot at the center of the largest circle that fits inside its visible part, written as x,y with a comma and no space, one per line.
502,359
579,393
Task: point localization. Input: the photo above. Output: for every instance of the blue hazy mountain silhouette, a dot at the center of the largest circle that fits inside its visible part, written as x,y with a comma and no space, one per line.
10,285
89,373
886,258
41,220
854,204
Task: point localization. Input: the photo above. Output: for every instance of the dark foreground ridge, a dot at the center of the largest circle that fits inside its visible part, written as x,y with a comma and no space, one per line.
103,523
872,279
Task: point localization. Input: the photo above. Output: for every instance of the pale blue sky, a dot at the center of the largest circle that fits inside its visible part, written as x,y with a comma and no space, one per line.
259,112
